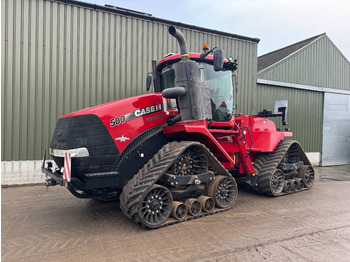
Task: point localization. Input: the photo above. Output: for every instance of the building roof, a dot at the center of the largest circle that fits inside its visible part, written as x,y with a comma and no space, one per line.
273,57
150,17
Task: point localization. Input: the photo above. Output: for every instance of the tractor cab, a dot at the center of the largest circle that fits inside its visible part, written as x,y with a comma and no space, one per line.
200,83
220,84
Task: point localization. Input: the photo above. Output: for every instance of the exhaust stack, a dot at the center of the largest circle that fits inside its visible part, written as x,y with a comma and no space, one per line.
182,42
192,95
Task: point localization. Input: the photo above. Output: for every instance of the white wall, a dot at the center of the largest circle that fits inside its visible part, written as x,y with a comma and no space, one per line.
314,158
21,173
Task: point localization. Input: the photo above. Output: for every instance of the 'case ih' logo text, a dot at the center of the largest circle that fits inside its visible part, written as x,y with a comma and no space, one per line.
137,113
148,110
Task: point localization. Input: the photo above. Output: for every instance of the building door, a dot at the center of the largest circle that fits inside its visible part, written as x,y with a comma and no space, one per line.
336,130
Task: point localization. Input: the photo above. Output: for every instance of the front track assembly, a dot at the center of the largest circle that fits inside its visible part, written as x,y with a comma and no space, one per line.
286,170
183,181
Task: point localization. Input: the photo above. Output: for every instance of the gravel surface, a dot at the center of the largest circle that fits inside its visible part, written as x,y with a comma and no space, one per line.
52,225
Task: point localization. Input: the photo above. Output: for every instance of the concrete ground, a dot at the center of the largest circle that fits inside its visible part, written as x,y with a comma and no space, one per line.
52,225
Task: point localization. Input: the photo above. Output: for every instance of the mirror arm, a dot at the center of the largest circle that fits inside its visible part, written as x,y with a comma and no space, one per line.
204,55
267,114
148,82
283,111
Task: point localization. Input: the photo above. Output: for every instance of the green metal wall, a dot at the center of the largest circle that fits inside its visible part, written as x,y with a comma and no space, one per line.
318,64
58,58
305,113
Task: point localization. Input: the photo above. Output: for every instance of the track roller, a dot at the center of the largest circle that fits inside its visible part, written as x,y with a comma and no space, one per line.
223,189
179,210
287,186
300,183
307,173
207,203
194,206
295,185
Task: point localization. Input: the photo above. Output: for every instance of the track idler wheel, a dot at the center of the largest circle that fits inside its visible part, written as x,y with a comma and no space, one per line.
208,203
155,207
277,182
179,210
307,173
223,189
194,206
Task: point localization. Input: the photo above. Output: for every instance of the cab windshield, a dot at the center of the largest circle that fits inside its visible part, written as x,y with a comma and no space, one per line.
220,85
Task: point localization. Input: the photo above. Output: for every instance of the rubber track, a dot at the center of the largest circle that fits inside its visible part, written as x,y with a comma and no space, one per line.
266,163
138,186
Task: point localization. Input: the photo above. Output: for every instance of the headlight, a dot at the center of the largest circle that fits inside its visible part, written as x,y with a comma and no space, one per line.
76,152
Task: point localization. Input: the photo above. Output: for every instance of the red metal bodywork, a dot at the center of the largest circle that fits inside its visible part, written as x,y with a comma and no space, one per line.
135,116
230,141
235,143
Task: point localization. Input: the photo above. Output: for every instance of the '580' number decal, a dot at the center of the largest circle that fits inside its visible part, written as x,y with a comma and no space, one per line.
117,121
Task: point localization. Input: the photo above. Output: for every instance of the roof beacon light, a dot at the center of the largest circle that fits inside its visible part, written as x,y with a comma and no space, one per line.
205,47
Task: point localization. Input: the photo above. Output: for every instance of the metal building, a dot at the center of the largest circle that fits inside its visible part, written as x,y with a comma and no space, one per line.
60,56
314,76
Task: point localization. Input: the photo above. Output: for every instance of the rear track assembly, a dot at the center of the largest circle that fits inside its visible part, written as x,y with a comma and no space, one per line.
272,180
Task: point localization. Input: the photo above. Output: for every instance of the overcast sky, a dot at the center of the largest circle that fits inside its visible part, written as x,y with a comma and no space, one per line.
277,23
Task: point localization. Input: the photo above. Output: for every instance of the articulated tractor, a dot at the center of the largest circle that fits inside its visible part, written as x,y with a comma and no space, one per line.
175,155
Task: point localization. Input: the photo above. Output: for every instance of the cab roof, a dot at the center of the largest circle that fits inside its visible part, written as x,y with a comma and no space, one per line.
174,58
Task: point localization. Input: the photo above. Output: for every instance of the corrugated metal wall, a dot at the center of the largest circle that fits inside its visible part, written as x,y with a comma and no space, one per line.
58,58
318,64
305,113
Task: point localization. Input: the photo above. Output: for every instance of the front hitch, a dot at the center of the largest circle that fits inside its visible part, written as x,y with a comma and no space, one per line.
53,177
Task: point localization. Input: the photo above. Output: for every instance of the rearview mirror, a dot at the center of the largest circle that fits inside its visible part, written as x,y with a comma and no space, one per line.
174,92
148,82
218,59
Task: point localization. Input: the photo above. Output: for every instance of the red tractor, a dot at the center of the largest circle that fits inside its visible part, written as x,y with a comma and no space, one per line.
174,155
